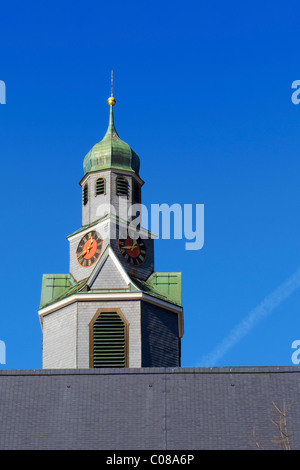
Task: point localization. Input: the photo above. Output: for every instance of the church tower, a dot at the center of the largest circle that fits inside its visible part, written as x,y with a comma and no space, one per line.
112,309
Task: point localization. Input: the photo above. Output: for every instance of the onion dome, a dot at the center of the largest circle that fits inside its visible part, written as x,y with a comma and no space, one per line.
111,152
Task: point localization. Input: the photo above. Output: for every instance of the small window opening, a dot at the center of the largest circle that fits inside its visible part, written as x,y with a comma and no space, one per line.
100,186
137,193
85,194
122,186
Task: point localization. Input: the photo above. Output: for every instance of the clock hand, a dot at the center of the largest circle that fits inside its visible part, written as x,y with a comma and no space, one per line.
132,247
87,250
90,245
82,253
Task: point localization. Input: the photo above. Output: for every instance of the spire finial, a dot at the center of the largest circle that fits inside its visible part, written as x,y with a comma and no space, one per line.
111,100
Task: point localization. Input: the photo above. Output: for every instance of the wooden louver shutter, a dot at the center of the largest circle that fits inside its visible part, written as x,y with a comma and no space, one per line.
100,187
109,341
85,194
122,187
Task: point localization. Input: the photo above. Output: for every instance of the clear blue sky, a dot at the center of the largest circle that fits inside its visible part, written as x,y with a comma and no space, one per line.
203,95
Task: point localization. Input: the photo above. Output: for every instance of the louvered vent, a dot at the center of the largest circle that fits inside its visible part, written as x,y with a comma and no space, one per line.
100,186
85,194
137,193
122,187
109,341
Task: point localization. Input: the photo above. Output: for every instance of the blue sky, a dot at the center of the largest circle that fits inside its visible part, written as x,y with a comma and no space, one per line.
203,95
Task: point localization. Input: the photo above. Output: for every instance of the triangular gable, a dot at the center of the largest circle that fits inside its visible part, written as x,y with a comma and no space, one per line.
108,273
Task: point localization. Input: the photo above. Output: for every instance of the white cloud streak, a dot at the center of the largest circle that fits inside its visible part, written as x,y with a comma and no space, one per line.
265,308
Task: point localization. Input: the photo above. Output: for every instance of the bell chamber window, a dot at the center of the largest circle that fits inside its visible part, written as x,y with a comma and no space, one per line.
121,186
85,194
99,186
108,341
137,192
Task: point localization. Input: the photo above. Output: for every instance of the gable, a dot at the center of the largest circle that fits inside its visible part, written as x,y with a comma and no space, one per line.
109,277
108,274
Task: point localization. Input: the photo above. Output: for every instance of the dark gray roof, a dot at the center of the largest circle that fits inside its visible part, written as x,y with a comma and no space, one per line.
115,409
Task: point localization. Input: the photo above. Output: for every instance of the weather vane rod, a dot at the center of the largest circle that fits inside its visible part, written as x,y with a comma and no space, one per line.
111,100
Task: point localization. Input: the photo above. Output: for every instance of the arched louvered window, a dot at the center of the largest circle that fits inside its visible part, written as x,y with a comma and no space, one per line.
108,345
121,186
85,194
100,186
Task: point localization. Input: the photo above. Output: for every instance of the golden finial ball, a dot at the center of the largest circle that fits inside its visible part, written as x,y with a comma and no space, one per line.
111,101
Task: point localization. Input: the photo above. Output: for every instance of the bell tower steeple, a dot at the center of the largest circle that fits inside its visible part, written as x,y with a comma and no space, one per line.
111,175
112,309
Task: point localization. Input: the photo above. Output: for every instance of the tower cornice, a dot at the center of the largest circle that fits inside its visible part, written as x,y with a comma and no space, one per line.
124,296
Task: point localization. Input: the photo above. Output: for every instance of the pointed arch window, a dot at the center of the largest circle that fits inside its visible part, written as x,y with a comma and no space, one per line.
99,186
85,194
121,186
108,339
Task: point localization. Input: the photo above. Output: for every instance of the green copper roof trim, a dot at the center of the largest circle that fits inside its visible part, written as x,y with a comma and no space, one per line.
55,286
164,286
85,227
111,152
167,285
116,219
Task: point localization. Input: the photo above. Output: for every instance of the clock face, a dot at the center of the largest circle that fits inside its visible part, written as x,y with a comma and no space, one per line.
133,251
89,249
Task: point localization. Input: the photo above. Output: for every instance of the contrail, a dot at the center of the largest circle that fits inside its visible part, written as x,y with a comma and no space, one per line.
252,319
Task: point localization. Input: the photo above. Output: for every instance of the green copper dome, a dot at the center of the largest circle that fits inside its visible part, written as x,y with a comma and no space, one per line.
111,152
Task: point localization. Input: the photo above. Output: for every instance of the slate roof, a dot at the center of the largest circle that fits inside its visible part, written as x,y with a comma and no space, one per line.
146,409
